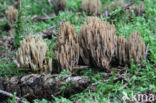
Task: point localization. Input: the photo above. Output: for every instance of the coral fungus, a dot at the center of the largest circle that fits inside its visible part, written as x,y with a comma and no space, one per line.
32,54
97,40
67,48
58,5
91,6
11,17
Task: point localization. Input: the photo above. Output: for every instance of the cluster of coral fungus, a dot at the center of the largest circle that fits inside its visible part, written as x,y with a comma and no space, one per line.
11,17
67,48
130,48
32,54
127,7
91,6
58,5
97,41
95,6
96,45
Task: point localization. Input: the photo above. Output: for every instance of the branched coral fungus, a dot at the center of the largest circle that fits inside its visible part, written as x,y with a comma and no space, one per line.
136,47
11,17
58,5
115,5
97,40
138,9
130,48
91,6
32,54
127,7
122,50
67,48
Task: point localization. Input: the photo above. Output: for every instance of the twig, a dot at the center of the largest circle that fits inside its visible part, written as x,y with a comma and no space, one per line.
146,52
49,2
50,31
79,67
20,4
11,95
25,96
145,56
128,5
107,14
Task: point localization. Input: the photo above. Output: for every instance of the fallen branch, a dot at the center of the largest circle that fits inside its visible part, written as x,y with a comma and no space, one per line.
35,86
20,4
39,18
11,96
79,67
129,4
49,32
146,52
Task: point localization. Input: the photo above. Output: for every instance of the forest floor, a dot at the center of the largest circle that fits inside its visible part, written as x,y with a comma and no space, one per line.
105,87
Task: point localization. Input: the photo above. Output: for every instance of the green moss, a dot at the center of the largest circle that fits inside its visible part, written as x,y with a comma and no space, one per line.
107,91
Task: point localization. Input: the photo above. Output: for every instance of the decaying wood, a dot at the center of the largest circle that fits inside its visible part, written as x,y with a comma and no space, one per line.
37,86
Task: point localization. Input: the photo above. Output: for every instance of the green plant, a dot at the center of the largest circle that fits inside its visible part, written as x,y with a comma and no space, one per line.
19,29
104,91
13,100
